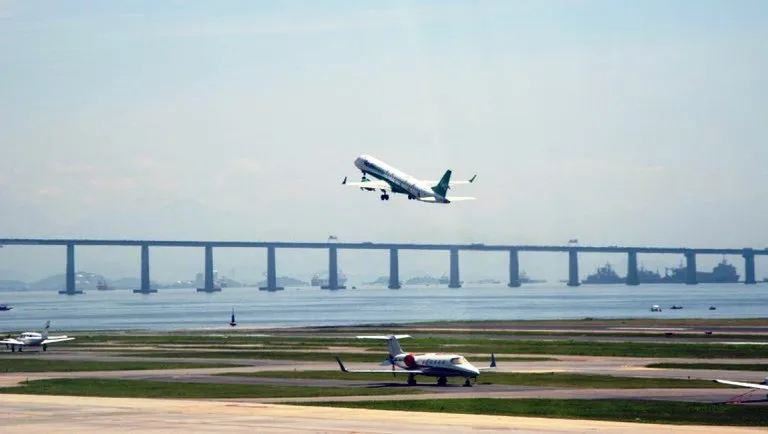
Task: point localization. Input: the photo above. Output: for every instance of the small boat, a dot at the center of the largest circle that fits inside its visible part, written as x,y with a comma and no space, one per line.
5,307
676,307
655,308
232,322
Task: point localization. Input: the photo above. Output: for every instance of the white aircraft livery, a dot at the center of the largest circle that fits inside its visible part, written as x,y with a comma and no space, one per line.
33,339
431,364
388,179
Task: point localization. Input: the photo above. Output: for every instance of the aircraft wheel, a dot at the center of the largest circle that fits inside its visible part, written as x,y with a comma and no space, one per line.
467,383
411,380
45,347
442,381
13,349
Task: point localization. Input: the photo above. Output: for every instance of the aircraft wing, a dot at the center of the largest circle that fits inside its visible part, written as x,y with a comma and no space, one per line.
740,384
375,185
11,341
375,371
56,339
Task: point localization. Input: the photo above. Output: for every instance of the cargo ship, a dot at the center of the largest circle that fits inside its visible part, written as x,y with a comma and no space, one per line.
721,273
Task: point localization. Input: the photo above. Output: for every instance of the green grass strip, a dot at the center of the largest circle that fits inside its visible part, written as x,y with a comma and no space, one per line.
614,410
47,365
555,379
715,366
160,389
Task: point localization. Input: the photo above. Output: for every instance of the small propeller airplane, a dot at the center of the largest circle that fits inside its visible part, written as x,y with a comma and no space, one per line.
391,180
34,339
437,365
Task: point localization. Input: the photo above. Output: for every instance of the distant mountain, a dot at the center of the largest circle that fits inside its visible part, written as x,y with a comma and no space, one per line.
130,283
381,280
12,285
83,280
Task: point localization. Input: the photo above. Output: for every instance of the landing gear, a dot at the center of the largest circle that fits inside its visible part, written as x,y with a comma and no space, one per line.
385,196
411,380
467,383
13,348
442,381
45,347
410,197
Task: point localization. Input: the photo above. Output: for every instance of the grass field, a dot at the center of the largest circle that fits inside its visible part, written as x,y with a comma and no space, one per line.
160,389
717,366
555,379
38,365
616,410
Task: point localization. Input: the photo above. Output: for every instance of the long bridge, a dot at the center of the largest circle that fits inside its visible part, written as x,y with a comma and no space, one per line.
394,279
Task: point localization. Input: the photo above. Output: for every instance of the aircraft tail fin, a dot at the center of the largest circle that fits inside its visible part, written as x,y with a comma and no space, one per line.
444,184
392,344
45,330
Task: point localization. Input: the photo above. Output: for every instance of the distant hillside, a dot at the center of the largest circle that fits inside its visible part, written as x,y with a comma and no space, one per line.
83,281
12,285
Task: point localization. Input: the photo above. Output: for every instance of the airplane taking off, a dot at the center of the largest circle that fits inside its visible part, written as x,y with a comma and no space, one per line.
33,339
431,364
753,386
388,179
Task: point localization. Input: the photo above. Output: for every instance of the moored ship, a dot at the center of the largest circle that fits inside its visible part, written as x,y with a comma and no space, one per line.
723,272
604,275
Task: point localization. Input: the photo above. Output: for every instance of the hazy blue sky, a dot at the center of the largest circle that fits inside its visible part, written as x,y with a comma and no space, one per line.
614,122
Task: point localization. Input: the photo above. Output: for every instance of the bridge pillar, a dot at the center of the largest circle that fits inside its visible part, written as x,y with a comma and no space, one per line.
394,270
271,271
749,267
208,285
333,270
514,269
690,268
573,268
455,282
145,288
70,286
632,277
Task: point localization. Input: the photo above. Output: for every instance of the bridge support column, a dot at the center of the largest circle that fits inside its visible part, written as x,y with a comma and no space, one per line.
632,277
514,269
209,285
145,288
573,268
70,286
333,270
271,271
455,282
394,270
749,267
690,268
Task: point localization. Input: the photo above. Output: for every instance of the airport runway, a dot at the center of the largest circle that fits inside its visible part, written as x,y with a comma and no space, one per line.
29,413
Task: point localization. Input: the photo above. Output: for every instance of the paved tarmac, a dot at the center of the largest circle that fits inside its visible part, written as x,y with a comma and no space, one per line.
29,413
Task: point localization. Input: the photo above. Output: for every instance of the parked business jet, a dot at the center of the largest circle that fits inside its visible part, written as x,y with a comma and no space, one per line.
33,339
431,364
388,179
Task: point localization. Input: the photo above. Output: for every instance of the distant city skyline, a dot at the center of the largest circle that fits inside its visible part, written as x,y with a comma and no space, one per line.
614,122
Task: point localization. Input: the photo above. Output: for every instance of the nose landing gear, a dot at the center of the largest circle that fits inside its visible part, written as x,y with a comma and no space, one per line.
385,196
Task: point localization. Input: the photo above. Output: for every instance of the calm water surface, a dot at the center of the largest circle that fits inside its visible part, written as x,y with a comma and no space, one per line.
186,308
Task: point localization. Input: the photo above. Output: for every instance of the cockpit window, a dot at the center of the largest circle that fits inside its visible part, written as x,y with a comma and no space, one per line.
458,360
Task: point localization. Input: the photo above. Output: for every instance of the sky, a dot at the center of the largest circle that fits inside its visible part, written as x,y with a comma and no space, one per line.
613,122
